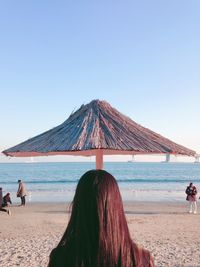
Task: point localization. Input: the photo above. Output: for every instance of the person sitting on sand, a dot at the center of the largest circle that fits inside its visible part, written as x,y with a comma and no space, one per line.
191,192
97,234
1,203
6,200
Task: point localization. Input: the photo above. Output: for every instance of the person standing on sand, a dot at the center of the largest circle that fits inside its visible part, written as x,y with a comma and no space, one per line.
21,192
191,192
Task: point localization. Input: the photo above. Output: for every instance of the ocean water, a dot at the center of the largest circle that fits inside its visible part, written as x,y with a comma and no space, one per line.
56,182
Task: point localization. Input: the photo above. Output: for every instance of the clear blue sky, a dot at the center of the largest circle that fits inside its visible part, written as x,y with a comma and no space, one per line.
143,57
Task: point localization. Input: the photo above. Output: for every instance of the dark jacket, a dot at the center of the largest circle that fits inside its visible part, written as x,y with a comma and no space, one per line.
6,200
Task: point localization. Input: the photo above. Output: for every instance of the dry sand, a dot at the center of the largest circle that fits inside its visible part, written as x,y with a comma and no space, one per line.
166,229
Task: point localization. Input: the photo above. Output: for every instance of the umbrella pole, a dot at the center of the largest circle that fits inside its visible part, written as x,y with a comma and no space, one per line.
99,159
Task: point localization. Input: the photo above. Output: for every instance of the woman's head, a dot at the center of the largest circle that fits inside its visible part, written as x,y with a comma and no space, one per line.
97,196
97,229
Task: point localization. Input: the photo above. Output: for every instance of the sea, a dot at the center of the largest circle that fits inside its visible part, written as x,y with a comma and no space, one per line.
56,182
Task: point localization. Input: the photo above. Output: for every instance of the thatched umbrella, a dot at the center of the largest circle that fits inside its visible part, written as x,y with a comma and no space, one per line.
97,129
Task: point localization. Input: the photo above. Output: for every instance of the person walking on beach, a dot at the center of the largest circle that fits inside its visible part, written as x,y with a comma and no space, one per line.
1,203
21,192
97,234
191,192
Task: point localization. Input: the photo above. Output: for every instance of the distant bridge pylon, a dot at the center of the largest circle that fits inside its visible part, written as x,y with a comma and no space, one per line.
197,156
167,158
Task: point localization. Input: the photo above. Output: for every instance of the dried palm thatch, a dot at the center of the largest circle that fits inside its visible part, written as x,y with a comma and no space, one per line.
97,128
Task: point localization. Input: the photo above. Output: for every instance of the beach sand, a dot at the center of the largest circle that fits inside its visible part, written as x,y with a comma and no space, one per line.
166,229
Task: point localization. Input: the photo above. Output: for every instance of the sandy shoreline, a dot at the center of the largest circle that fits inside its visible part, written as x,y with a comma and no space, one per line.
166,229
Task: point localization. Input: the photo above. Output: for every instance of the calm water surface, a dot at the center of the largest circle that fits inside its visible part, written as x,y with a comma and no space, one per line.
137,181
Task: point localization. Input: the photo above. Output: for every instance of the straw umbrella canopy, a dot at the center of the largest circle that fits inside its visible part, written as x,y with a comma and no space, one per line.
97,129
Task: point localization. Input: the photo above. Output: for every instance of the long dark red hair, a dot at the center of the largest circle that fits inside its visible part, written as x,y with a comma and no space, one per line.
97,234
